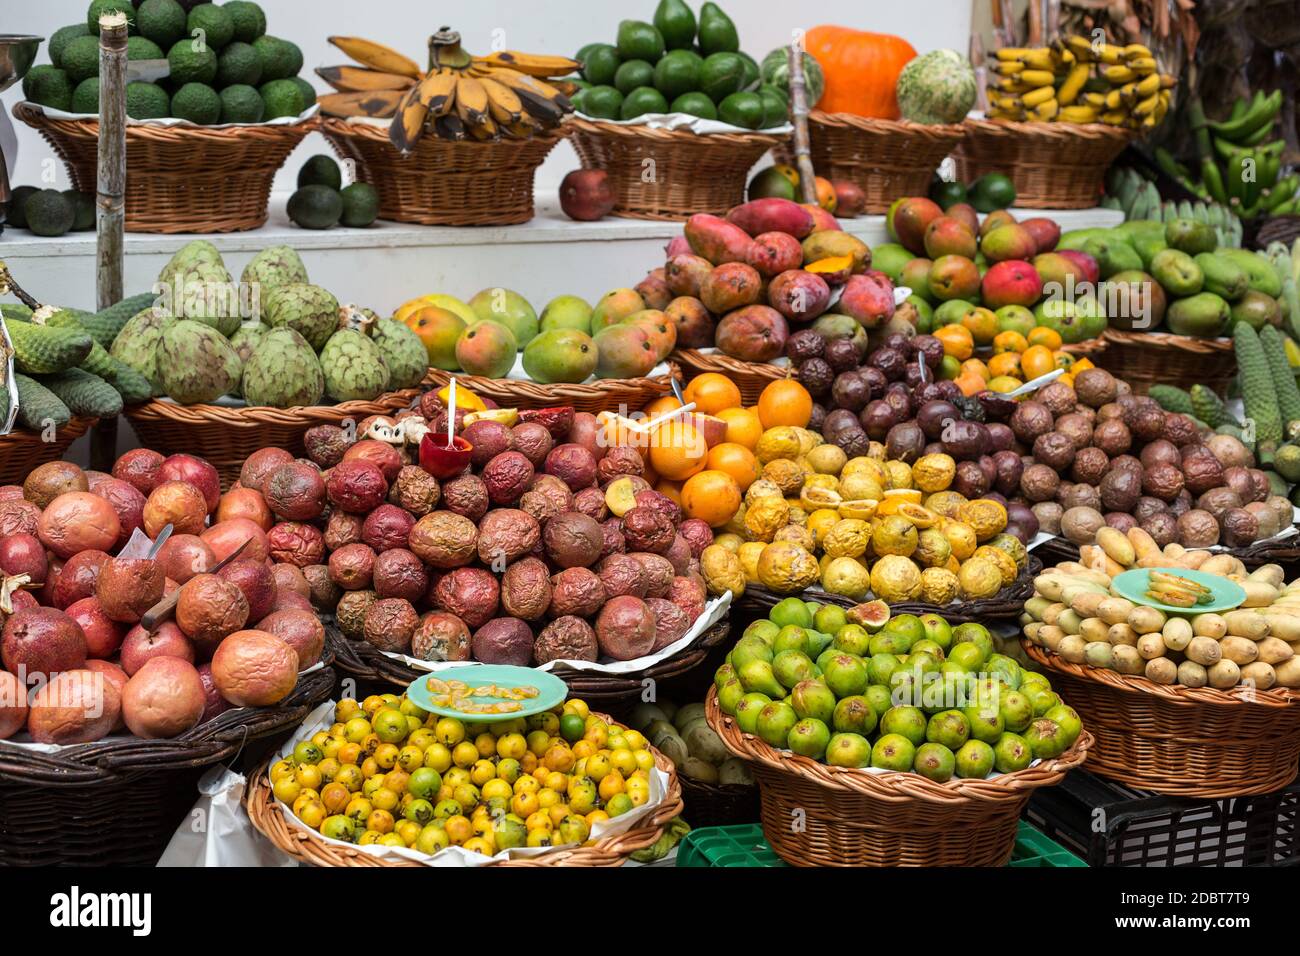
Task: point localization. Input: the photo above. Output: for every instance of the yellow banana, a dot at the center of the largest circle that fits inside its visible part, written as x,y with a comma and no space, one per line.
471,101
377,56
485,129
525,128
1047,111
352,79
408,124
532,64
1142,65
437,92
1168,82
1010,53
1077,114
379,104
1038,59
1073,85
1039,96
1128,93
1114,117
1147,106
1135,50
503,102
1110,54
1037,77
1114,100
1095,100
1119,74
521,82
1009,68
1148,85
1012,104
1081,47
1064,58
1011,84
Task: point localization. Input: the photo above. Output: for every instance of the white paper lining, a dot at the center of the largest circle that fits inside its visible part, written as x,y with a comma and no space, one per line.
323,717
714,612
302,117
685,121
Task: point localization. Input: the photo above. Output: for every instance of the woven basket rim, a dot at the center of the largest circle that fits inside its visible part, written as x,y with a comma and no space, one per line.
1167,341
268,817
556,391
1275,698
1047,131
697,360
158,410
34,116
875,124
76,427
678,136
338,126
215,740
894,787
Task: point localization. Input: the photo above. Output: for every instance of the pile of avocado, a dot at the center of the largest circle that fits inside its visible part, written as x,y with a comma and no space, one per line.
990,192
322,201
224,68
674,65
49,212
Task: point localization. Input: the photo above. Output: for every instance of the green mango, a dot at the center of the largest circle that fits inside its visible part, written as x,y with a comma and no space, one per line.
1257,310
1190,236
1222,276
1113,254
1260,274
1203,314
1148,244
1178,272
1075,238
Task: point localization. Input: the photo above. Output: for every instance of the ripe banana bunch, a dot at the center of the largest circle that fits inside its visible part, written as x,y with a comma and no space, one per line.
460,96
1077,81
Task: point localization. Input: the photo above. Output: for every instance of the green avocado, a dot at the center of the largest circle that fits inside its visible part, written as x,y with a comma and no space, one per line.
315,207
241,104
198,103
190,65
677,73
721,75
638,40
147,101
48,86
717,34
676,24
239,63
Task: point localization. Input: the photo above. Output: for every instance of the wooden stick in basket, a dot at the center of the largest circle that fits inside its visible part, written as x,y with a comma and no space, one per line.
164,608
799,117
111,183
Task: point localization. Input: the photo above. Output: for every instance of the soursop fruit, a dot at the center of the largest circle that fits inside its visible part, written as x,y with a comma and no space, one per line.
196,363
188,256
205,293
270,269
138,343
403,352
245,343
283,372
307,309
354,367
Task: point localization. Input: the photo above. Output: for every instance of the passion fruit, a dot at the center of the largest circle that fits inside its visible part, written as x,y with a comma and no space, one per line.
254,669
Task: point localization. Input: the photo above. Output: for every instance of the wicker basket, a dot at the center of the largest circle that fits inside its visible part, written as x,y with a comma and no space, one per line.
1053,165
750,377
1282,551
606,394
853,818
1181,741
1006,605
688,173
117,802
444,183
22,450
307,846
180,178
226,436
719,805
886,158
367,663
1144,359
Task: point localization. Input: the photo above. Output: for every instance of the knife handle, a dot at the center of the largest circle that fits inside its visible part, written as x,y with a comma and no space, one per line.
160,612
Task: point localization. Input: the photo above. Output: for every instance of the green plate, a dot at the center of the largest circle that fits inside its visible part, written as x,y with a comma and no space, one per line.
1224,594
552,692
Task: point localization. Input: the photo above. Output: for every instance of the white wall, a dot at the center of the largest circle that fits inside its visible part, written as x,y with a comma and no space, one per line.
542,26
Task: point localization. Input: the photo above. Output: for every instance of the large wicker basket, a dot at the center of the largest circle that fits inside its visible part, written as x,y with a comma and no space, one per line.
1144,359
886,158
444,183
307,846
180,178
226,436
22,450
118,801
669,174
1181,741
1052,165
606,394
367,663
818,815
750,377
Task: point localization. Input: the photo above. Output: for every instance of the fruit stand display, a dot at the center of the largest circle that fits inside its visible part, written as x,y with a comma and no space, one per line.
462,140
204,141
677,131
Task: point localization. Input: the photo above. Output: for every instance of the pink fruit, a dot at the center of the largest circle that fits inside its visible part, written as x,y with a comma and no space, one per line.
869,298
163,699
755,333
140,646
587,195
1046,233
798,295
1013,282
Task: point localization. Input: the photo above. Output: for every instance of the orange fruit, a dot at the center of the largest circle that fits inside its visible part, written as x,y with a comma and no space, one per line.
981,323
957,341
744,427
1009,342
1042,335
1037,360
735,460
970,384
677,450
785,402
712,392
712,496
975,367
1005,363
661,406
670,489
1064,360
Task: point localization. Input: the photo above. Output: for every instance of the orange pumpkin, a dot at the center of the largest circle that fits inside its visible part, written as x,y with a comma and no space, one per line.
861,69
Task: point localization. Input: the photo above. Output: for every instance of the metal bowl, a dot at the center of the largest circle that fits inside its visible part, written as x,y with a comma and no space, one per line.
17,53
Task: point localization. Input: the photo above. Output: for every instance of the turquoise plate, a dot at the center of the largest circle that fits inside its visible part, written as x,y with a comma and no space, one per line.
552,692
1224,594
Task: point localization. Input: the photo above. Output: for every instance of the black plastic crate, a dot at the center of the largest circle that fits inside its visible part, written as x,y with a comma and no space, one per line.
1111,825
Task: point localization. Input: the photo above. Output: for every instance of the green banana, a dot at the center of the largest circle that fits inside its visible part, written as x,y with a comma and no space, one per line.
1263,110
1213,179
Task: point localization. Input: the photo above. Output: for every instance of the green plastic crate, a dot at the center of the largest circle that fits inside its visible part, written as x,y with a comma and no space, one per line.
745,846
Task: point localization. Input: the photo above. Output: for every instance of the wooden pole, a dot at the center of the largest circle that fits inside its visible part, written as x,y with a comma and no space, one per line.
111,217
799,117
110,198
